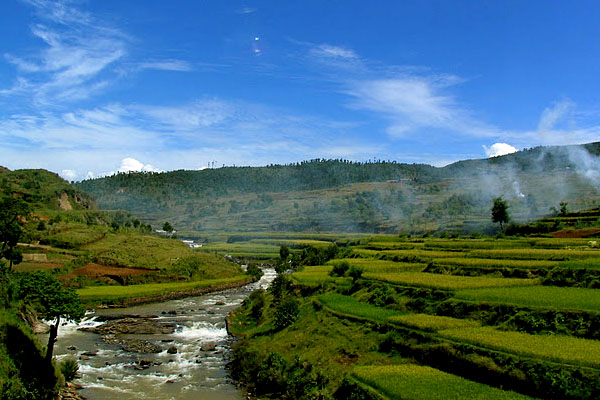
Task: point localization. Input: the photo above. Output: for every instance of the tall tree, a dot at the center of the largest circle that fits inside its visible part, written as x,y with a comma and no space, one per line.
500,211
12,215
51,301
167,227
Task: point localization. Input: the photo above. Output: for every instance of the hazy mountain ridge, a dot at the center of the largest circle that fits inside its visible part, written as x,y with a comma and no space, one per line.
338,195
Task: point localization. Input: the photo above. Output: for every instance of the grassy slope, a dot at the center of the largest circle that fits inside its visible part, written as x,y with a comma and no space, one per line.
71,239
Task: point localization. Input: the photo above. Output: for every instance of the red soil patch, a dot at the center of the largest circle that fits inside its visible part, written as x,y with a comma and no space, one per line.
96,271
579,233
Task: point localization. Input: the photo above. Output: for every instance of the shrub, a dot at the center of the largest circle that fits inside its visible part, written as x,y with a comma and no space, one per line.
339,269
279,287
355,273
287,313
257,298
69,369
254,271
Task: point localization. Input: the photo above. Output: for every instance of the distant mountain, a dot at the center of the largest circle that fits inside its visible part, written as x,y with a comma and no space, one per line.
338,195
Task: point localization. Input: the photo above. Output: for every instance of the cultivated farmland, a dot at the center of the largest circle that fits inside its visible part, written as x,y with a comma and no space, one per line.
447,318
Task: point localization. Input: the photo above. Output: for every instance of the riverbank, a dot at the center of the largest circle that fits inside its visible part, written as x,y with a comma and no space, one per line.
172,349
126,296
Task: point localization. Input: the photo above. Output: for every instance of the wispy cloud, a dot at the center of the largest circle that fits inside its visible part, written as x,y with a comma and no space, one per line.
168,65
246,10
179,136
552,115
78,53
410,98
412,103
419,103
326,50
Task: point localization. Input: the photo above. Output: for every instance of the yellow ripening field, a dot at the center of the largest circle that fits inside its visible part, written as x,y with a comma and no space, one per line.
416,382
432,322
559,348
447,282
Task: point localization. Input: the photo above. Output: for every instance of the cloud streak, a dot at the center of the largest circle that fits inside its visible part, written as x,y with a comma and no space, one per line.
76,58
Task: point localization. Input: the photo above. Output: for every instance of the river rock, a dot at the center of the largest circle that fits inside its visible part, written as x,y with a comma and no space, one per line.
208,347
220,303
144,363
139,346
90,354
144,326
172,350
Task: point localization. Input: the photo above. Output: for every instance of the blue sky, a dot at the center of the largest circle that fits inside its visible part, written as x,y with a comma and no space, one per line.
88,88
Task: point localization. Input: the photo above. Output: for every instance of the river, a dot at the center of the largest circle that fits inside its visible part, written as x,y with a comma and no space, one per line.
108,372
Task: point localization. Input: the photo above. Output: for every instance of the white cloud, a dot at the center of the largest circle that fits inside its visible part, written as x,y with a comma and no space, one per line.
168,65
197,114
414,102
326,50
68,174
132,165
246,10
499,149
78,52
552,115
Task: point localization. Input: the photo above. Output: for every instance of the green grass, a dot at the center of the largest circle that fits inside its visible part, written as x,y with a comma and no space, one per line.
241,247
72,235
464,244
535,254
495,263
537,296
349,306
389,245
318,276
415,382
293,243
432,322
134,249
425,255
558,348
114,293
447,282
372,265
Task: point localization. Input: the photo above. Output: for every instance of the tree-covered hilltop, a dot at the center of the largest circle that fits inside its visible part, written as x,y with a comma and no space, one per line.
214,183
337,195
43,189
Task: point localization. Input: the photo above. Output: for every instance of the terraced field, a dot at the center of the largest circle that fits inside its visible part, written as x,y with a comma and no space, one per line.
468,328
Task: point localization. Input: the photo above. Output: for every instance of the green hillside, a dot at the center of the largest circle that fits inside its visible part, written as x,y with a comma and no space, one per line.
51,231
44,190
342,196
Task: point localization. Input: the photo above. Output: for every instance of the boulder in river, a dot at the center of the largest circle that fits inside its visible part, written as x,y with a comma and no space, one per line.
172,350
139,346
208,347
144,326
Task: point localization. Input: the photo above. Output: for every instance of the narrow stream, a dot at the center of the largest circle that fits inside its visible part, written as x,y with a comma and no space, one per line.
196,371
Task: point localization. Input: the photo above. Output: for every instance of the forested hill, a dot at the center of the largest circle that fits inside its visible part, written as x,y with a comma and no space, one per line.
338,195
306,175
